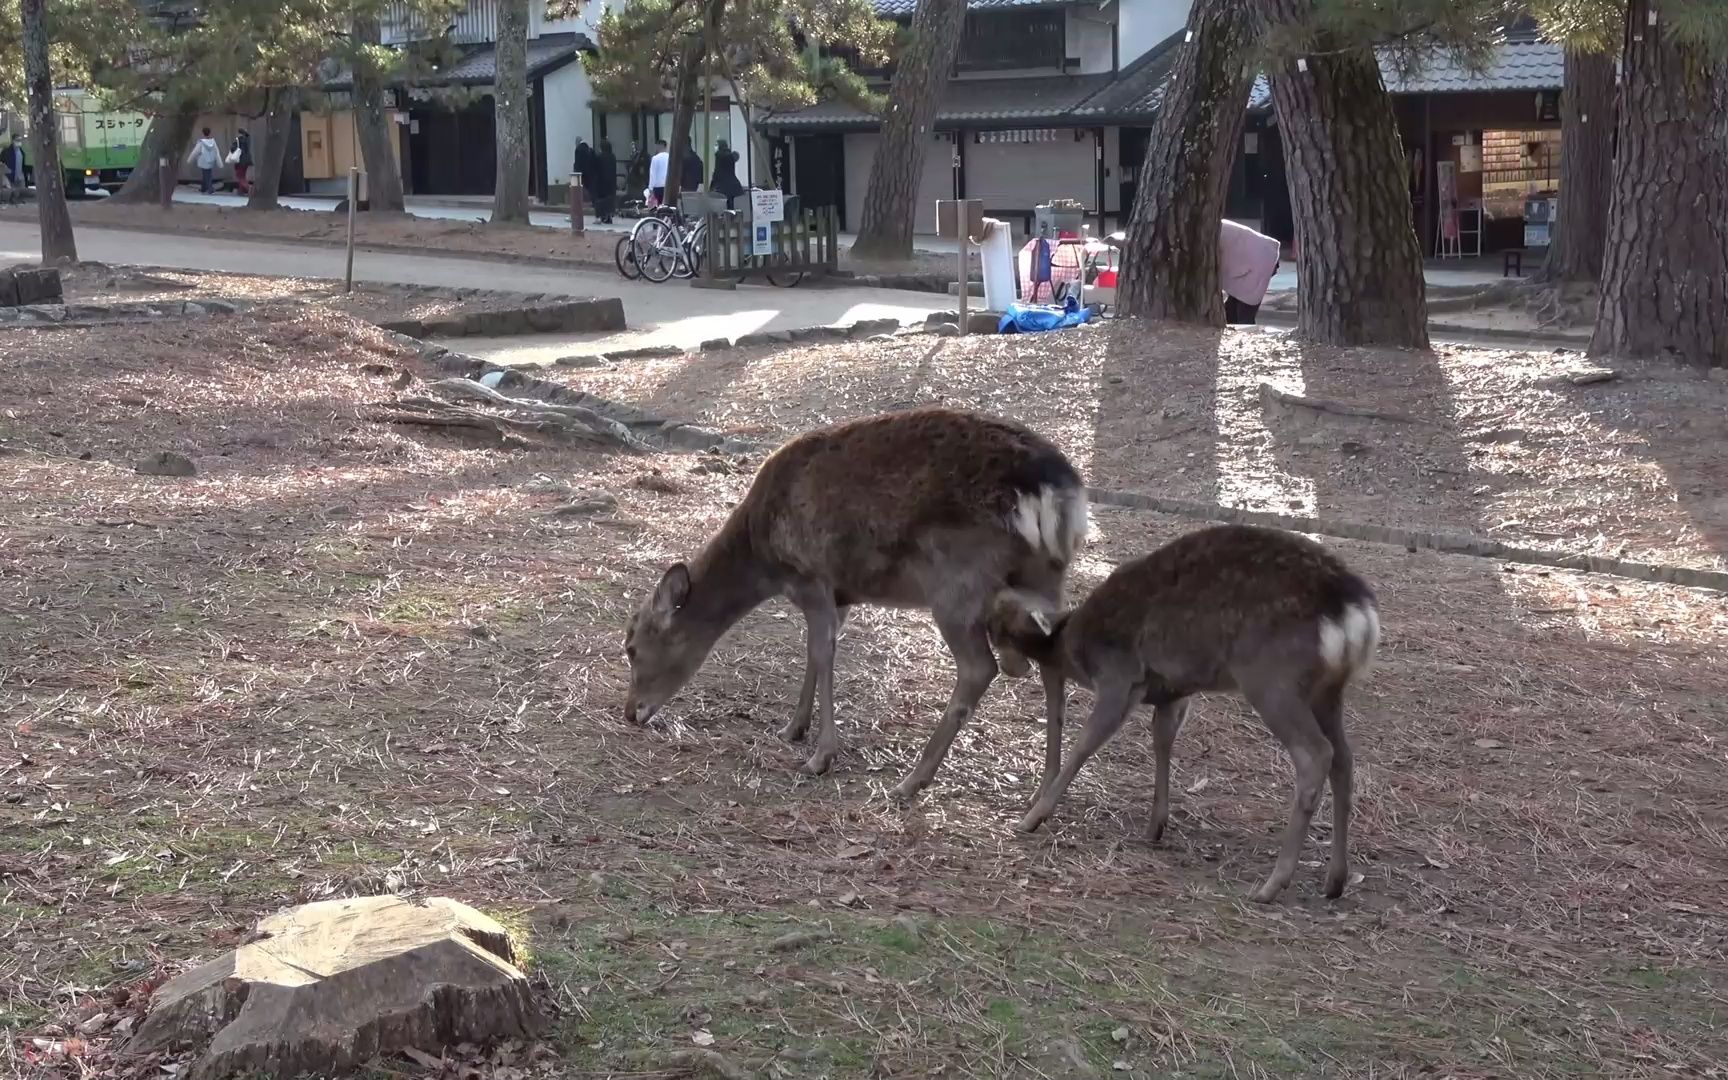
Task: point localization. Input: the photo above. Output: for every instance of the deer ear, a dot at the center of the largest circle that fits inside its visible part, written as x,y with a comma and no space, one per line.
1041,620
673,590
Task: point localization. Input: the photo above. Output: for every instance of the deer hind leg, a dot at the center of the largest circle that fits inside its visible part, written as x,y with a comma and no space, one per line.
1328,708
974,670
1275,697
1166,722
800,724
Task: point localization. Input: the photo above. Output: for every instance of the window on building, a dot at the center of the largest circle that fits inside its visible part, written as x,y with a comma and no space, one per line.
71,135
1008,40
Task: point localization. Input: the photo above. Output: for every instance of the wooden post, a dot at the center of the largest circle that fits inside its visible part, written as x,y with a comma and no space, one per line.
165,180
965,286
578,211
353,197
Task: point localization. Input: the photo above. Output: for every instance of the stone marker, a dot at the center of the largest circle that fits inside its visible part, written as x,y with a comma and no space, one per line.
324,987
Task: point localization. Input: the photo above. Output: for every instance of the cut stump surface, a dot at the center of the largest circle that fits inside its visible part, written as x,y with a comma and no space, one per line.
324,987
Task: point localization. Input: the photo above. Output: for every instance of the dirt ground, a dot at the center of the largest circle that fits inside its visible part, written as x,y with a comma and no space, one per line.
1494,441
348,657
593,247
95,283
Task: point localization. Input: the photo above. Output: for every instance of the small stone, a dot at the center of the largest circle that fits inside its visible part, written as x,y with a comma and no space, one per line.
946,329
714,345
376,369
1120,1035
166,463
1351,446
1587,378
581,361
594,504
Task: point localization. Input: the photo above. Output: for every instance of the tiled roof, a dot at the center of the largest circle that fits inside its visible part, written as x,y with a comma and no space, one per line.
1137,92
479,66
1517,65
968,101
904,8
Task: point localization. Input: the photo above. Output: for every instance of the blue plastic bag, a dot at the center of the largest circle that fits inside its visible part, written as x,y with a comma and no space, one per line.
1029,318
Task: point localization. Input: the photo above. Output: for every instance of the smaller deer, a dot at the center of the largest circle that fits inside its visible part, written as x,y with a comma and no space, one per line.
1268,614
931,508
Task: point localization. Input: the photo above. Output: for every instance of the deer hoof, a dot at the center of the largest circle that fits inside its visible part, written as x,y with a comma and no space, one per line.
794,732
906,790
1266,893
817,765
1031,822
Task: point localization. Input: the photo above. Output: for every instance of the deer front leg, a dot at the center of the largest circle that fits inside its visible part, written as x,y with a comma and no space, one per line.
806,708
822,623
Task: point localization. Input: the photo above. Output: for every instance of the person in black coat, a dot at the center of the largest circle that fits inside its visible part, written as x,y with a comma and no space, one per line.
586,164
726,174
242,149
690,169
605,182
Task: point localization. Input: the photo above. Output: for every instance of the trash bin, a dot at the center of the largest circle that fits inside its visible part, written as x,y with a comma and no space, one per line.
1052,219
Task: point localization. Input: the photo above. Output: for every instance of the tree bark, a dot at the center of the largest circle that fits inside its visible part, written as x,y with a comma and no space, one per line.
278,127
920,75
1170,267
510,104
1586,170
683,104
58,244
169,136
376,131
1359,264
1665,267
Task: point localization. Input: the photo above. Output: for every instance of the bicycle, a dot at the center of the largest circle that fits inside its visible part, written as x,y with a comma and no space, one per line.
661,248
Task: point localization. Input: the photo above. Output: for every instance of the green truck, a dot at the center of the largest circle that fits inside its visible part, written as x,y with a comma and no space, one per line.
98,147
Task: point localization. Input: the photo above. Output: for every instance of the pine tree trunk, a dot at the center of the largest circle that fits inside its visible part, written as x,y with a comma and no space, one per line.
920,74
1586,169
683,104
57,242
1359,264
169,136
278,128
1170,267
510,105
1665,268
376,131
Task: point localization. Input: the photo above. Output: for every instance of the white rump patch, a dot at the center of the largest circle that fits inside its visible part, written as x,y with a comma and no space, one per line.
1052,521
1349,640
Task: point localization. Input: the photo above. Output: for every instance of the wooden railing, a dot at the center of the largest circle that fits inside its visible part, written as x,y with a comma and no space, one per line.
806,243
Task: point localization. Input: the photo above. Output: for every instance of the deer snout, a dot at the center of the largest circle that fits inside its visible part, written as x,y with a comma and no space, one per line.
636,712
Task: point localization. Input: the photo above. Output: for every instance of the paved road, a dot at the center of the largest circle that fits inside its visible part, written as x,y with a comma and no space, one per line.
672,313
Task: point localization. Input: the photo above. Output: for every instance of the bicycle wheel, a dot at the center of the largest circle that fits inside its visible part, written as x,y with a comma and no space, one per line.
655,245
692,248
785,279
625,256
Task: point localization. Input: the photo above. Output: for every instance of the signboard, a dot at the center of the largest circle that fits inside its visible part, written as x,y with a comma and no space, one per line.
762,238
767,205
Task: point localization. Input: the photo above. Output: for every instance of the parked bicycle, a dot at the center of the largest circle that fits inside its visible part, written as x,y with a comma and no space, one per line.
663,244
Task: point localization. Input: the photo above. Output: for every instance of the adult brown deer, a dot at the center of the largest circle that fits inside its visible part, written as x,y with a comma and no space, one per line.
933,508
1266,613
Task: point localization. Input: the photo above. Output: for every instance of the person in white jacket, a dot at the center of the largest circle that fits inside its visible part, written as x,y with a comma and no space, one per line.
1246,262
657,171
206,155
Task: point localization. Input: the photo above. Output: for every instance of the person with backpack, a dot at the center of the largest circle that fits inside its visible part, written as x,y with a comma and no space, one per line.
240,156
206,155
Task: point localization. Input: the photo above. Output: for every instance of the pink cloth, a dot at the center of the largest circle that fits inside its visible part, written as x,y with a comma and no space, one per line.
1246,262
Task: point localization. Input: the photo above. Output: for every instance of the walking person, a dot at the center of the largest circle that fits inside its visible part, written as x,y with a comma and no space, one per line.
605,182
12,170
1246,262
726,174
657,166
240,154
206,156
582,164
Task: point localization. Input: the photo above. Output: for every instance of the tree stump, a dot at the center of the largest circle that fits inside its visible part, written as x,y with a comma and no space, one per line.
324,987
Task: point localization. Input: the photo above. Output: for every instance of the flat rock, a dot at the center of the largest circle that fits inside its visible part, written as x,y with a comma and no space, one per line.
325,987
166,463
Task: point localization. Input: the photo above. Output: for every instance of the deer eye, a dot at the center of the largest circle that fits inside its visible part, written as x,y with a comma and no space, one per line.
630,652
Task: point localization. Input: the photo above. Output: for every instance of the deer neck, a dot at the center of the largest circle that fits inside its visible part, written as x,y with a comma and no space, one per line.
730,580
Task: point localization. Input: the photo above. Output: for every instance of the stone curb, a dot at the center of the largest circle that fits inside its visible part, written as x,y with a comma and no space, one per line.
1525,338
578,316
35,314
1451,543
